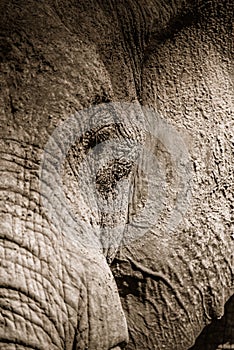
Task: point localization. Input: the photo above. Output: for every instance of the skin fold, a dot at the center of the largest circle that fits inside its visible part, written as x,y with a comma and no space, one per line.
158,291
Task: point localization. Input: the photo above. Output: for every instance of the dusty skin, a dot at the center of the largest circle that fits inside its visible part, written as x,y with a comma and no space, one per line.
73,272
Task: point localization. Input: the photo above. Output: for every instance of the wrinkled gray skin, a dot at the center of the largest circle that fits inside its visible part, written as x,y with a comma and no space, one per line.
59,57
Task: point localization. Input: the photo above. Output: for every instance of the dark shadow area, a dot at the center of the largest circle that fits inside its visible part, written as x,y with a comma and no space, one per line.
220,333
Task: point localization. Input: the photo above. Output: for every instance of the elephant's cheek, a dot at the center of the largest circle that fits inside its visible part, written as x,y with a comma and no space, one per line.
101,322
53,294
48,302
33,311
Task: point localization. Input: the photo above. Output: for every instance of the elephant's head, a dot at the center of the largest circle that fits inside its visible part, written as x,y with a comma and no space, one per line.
116,173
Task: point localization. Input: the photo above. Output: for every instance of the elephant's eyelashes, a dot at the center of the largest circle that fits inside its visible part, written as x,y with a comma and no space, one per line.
108,176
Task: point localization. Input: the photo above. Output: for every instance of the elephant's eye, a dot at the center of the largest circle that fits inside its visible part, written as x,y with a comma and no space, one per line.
108,176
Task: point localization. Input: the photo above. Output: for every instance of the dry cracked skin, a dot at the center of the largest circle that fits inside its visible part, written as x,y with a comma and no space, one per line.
67,280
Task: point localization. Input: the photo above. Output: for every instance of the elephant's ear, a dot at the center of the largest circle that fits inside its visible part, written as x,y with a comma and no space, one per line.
101,322
167,294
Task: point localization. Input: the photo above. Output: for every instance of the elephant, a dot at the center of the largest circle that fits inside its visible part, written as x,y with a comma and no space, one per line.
72,276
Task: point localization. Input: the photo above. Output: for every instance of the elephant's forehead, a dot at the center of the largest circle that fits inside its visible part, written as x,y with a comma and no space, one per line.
40,101
49,74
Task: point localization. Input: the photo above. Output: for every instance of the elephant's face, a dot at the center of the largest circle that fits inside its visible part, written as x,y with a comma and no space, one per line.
116,155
